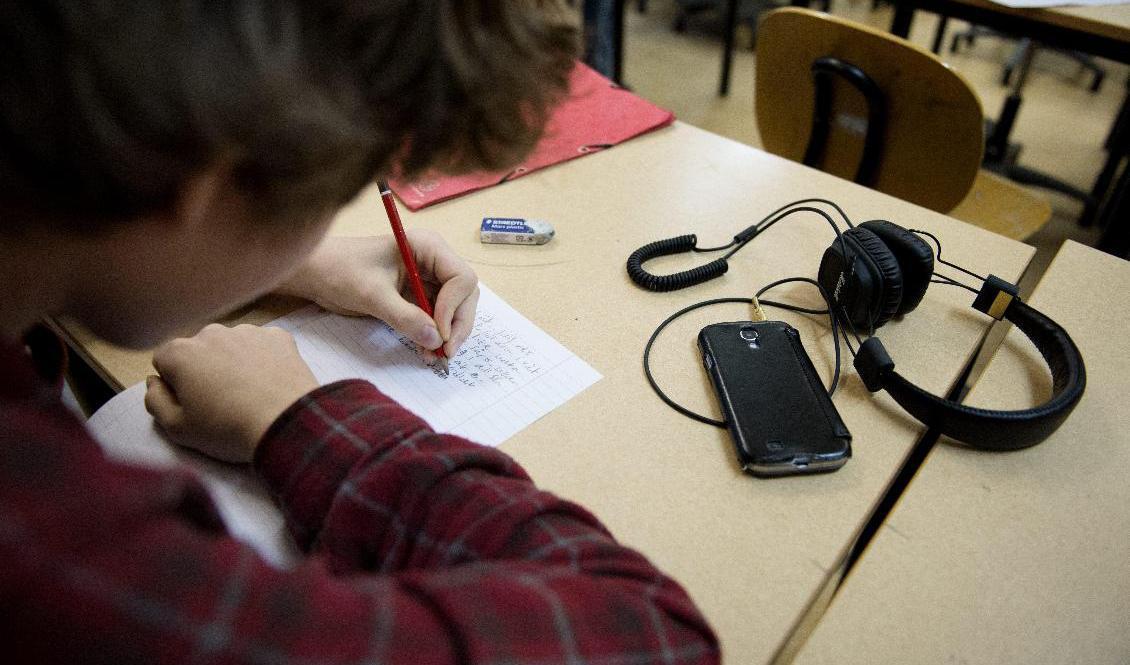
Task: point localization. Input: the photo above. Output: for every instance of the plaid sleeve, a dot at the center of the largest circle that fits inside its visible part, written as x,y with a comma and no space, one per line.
423,549
513,573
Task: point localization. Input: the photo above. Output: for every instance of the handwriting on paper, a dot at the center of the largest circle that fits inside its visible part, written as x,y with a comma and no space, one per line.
491,353
507,374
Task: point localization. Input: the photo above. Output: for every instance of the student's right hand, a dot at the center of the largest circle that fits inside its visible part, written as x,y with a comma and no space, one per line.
366,277
219,391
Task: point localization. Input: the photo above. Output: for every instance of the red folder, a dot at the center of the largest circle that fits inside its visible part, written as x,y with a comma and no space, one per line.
598,114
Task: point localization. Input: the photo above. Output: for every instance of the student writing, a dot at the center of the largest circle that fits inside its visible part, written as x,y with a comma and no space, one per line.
163,162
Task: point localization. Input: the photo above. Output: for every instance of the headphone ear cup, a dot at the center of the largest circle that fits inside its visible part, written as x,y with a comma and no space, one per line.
862,276
915,259
885,264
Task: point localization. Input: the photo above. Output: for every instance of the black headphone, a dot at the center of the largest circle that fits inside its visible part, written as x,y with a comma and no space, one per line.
879,271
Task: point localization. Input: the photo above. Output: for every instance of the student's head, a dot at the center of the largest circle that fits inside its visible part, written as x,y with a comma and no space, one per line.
229,131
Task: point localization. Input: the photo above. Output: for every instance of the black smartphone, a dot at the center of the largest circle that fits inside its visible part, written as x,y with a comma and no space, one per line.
778,412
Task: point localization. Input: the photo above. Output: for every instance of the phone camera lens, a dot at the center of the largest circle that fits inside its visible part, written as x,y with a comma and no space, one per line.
749,334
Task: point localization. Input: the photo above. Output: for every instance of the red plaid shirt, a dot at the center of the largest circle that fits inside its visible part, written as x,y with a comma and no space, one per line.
421,548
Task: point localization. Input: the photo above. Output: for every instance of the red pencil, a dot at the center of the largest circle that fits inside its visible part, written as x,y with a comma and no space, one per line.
409,261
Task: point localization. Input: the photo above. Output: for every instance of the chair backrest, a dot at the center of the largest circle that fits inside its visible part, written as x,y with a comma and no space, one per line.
930,132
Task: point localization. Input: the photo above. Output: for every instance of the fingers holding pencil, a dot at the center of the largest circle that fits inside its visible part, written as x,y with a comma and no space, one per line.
453,283
458,292
365,276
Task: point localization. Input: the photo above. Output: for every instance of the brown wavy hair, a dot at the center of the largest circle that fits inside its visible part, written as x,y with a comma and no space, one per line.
106,108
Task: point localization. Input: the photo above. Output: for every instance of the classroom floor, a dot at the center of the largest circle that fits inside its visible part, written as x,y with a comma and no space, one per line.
1061,124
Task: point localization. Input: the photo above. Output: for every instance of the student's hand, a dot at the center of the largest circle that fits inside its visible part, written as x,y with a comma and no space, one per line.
219,391
366,277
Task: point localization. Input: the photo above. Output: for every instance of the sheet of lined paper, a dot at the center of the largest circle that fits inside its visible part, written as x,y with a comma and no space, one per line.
508,373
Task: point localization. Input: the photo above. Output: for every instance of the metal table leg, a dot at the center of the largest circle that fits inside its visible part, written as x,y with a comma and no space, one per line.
731,27
1116,235
1117,145
904,16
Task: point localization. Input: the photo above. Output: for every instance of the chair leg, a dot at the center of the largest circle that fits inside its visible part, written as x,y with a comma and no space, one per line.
1014,60
1088,62
969,36
940,35
1027,176
1097,81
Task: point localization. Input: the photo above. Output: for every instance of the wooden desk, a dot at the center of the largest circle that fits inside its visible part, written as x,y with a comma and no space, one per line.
1103,31
1108,20
1017,557
751,552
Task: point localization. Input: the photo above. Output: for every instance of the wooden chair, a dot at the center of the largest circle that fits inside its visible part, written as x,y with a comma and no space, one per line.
873,108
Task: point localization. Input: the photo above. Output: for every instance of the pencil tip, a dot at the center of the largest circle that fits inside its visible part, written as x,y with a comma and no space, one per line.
442,365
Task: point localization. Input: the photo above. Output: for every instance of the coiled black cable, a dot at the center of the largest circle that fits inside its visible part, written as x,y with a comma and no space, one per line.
675,281
717,267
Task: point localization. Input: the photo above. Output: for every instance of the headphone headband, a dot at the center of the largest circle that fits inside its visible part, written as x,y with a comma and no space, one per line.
987,428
